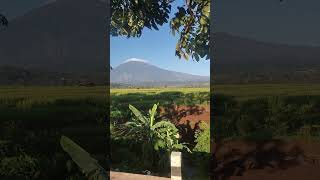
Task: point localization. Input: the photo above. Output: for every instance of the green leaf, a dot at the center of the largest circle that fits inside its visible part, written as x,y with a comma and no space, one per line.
153,113
82,158
138,114
155,26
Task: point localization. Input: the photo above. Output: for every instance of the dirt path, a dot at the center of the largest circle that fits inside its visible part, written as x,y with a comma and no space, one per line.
302,172
187,114
270,160
129,176
186,119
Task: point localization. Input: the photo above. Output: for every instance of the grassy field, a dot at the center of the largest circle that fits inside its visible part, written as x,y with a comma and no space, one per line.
243,92
129,158
45,92
33,118
37,116
239,91
158,90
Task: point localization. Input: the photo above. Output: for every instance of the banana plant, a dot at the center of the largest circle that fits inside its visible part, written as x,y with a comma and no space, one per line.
162,135
158,138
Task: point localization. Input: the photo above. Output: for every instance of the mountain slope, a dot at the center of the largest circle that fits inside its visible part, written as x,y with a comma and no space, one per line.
16,8
238,50
63,36
137,72
244,60
68,36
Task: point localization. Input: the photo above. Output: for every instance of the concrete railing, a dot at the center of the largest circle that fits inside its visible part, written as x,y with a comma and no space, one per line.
176,166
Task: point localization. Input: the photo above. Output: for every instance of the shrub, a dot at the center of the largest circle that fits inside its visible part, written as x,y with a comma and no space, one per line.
157,138
202,138
22,166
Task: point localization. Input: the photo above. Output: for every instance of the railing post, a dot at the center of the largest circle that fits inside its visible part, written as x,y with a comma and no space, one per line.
176,166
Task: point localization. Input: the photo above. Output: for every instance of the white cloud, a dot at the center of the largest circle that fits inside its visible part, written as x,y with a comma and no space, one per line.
136,60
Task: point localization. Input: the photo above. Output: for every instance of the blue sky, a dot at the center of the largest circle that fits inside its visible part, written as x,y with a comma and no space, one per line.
157,47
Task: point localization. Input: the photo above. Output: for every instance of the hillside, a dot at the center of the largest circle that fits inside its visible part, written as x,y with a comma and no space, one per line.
142,73
67,36
243,60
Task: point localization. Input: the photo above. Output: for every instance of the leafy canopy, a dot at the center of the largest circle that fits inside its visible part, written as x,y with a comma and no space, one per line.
3,21
191,22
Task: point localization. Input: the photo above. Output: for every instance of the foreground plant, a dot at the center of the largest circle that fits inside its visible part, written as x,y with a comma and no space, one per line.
88,165
158,138
22,166
163,135
202,138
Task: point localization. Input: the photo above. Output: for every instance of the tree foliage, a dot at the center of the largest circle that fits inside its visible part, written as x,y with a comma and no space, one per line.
191,22
3,21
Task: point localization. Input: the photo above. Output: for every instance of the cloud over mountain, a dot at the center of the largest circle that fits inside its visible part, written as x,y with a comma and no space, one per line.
136,60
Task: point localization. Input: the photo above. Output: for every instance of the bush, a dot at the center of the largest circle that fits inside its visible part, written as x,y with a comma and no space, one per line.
202,138
22,166
264,117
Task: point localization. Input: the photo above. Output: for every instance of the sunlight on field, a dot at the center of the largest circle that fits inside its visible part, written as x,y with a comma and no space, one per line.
238,91
52,92
158,90
259,90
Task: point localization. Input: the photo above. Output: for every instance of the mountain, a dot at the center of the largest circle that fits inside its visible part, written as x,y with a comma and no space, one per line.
138,72
244,60
16,8
65,36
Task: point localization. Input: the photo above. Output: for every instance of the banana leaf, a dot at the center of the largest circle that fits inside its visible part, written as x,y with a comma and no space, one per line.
83,159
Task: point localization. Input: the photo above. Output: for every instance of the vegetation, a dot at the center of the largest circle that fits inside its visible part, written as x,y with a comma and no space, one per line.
32,123
158,138
258,125
202,138
265,117
33,119
161,135
22,167
154,135
3,21
88,165
252,91
192,22
31,126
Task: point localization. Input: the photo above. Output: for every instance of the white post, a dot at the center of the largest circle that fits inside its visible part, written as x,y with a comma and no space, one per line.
176,166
